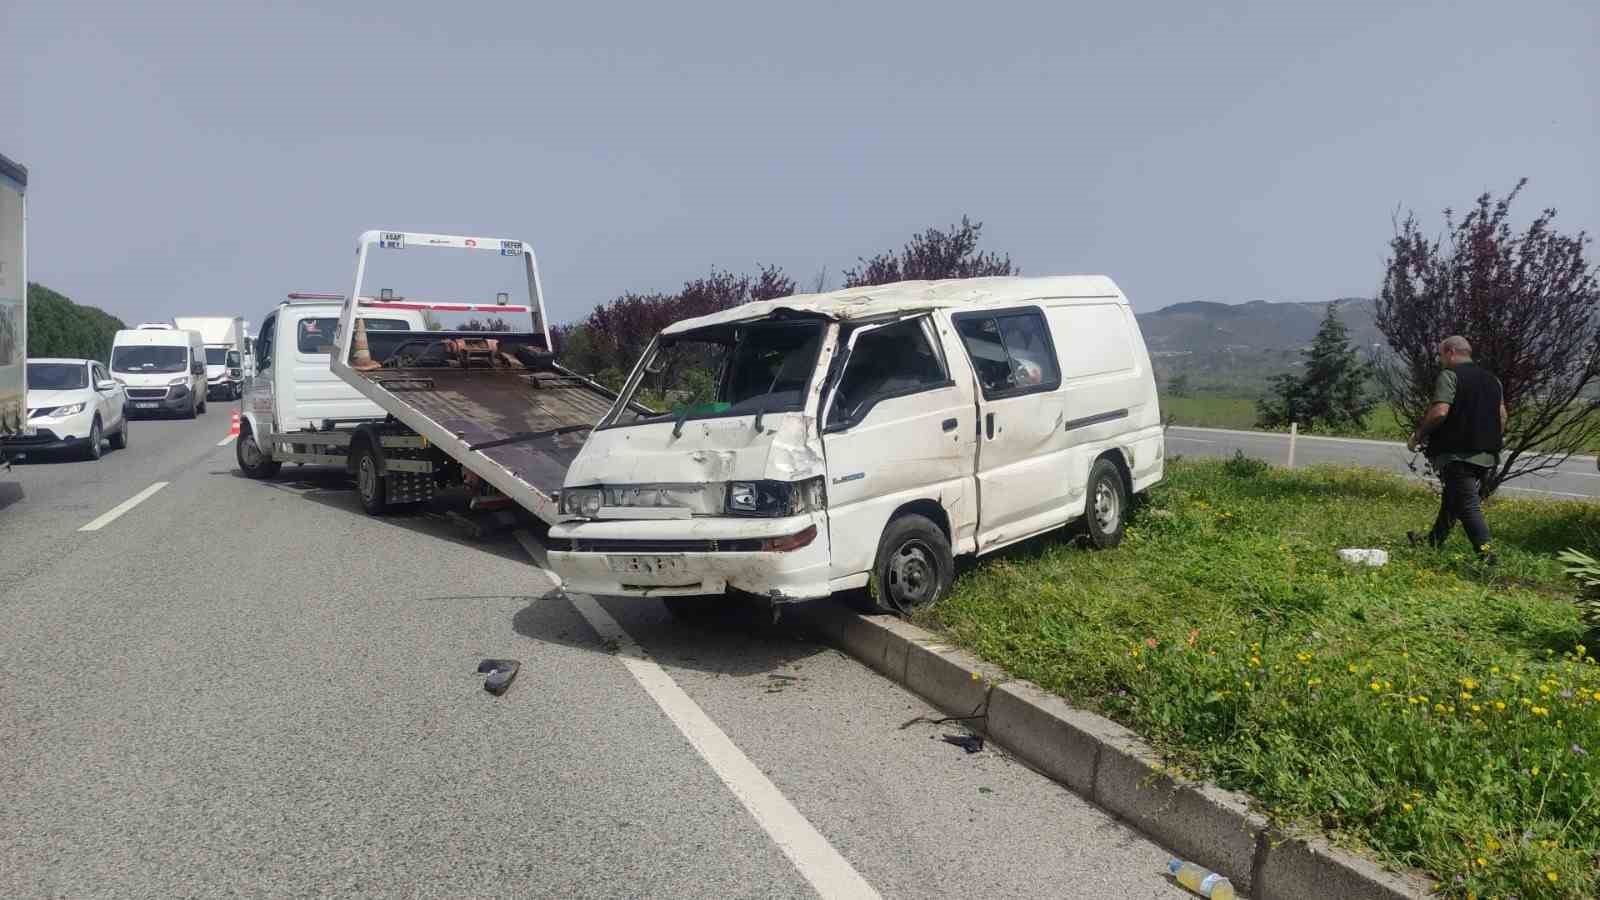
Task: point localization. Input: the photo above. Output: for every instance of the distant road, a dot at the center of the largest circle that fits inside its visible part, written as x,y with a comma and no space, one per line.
1576,479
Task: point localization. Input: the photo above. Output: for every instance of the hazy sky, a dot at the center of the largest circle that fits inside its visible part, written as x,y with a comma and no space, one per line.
207,157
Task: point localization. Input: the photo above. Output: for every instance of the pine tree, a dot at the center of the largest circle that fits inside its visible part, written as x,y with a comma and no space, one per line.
1330,395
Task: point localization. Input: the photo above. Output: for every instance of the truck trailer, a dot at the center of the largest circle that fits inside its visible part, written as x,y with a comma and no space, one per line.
13,299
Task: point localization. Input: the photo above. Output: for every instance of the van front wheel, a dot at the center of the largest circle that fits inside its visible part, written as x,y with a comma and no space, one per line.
1106,512
254,460
915,566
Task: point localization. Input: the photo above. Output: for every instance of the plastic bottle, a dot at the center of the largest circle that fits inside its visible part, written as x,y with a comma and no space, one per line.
1202,881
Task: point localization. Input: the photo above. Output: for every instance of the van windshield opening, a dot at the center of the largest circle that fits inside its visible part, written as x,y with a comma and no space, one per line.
759,368
216,356
149,359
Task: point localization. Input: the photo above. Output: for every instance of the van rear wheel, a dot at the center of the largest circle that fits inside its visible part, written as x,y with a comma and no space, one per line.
915,566
1106,512
370,484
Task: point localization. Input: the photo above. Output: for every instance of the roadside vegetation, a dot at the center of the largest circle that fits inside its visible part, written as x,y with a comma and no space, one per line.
58,327
1443,715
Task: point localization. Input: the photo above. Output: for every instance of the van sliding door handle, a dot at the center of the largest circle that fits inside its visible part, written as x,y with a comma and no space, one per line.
988,426
950,424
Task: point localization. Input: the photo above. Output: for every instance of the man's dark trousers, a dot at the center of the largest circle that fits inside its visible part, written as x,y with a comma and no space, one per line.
1459,501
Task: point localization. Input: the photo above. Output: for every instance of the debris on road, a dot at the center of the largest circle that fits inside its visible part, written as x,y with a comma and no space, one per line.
1364,557
776,682
501,673
971,743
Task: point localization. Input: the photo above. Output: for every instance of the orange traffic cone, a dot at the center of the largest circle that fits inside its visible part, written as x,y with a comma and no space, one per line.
233,429
360,356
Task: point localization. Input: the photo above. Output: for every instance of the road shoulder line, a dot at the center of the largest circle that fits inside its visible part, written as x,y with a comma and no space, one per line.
117,511
1110,766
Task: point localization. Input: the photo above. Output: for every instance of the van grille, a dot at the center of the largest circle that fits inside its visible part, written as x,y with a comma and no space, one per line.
147,393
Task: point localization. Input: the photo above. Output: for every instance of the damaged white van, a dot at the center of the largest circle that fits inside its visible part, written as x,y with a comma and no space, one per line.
818,443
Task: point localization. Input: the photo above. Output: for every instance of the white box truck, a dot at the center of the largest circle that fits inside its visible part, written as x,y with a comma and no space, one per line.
224,340
13,299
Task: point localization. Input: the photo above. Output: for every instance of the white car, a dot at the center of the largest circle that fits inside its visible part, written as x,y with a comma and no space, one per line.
73,404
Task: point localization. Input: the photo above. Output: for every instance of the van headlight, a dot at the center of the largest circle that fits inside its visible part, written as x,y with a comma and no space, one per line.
776,498
581,502
175,382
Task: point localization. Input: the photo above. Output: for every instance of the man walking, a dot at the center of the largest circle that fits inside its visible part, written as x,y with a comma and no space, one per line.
1462,431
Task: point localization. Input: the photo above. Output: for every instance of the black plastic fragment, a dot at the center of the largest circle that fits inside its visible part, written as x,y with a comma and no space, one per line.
970,743
501,673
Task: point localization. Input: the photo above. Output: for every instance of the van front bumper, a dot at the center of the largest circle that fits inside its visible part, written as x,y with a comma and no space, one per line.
689,557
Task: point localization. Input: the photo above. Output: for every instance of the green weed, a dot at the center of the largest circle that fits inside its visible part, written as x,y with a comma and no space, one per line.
1445,715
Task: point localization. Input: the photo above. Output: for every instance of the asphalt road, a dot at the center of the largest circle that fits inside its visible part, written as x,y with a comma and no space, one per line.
1575,479
245,688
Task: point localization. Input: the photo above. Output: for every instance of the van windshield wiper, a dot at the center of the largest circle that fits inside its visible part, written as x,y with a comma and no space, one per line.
761,410
677,425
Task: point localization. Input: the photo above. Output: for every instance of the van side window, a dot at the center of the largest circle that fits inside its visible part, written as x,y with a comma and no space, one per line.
892,361
1010,351
264,343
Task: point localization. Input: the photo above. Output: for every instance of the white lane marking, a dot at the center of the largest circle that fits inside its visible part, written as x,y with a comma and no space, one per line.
828,872
227,440
1175,437
117,511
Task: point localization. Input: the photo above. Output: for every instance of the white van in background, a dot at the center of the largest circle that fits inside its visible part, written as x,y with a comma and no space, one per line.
819,443
224,340
163,369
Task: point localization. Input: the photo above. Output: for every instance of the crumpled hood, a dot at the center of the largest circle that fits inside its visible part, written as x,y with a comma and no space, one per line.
215,372
707,451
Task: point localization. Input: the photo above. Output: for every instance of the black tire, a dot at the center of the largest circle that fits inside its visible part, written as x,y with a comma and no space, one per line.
371,486
1105,513
194,407
253,461
92,449
119,441
914,567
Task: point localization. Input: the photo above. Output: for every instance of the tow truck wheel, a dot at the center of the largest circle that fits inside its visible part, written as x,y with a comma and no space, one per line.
370,483
253,461
915,566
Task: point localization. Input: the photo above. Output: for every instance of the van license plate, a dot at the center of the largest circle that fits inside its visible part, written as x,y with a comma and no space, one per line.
145,405
646,565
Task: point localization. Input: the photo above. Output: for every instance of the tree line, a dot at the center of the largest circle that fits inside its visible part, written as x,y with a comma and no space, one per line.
58,327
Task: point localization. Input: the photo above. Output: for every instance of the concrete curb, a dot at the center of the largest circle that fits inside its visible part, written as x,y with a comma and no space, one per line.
1110,766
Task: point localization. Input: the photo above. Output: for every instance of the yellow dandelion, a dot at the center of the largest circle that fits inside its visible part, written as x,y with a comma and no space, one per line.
1553,877
1482,863
1499,706
1407,807
1375,687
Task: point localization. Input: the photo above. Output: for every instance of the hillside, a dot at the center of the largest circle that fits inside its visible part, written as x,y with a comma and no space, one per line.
1238,347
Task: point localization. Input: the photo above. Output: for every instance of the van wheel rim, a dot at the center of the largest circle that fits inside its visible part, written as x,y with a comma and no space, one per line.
913,575
1107,506
367,478
250,452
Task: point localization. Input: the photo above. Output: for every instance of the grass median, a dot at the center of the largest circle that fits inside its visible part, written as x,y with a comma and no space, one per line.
1444,715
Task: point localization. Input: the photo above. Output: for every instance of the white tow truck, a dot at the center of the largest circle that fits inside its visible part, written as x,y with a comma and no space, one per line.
13,300
490,410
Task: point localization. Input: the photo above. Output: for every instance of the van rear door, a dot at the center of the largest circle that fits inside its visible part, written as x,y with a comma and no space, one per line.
1021,488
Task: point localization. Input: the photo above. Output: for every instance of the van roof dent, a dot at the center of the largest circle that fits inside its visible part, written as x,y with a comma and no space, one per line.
910,296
